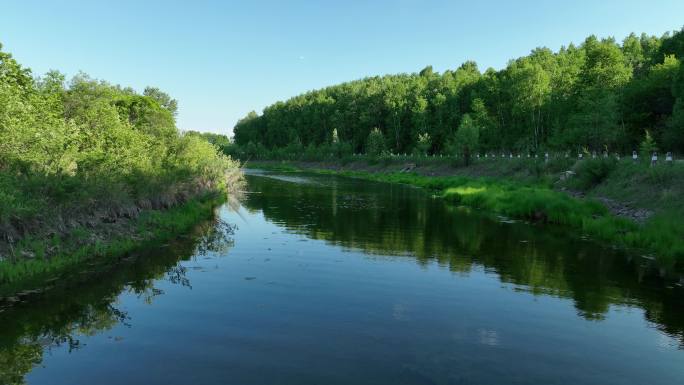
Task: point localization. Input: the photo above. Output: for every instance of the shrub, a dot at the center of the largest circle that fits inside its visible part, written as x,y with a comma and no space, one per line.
591,172
375,144
660,175
647,147
91,145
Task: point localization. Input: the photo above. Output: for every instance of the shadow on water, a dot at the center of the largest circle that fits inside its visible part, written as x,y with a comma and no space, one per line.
386,219
89,307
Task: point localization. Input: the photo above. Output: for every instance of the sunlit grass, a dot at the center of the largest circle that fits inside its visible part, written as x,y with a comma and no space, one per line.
661,235
461,191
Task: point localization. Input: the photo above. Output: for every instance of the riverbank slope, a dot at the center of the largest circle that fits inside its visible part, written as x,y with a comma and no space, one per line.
622,202
90,170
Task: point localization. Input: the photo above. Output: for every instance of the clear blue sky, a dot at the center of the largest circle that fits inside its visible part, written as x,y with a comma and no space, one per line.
222,59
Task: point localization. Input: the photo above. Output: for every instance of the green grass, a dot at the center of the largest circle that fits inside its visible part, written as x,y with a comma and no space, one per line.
661,235
152,226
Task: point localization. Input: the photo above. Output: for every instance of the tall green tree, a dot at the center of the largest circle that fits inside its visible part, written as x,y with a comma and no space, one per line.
596,121
163,99
467,138
598,94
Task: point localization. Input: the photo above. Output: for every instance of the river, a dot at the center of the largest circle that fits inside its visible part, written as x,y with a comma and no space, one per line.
328,280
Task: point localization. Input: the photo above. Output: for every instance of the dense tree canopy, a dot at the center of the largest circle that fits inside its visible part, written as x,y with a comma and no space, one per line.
86,143
600,95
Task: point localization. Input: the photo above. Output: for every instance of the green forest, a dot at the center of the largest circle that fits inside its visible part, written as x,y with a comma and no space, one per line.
599,96
76,154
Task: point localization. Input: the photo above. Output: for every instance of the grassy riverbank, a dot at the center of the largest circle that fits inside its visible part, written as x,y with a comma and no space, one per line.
519,191
85,249
91,169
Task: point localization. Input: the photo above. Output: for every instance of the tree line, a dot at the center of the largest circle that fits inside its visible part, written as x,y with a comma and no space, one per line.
68,147
601,95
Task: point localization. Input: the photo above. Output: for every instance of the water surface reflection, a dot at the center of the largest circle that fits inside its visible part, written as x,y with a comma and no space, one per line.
337,281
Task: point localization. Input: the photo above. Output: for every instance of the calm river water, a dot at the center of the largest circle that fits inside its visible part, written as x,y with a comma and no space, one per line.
327,280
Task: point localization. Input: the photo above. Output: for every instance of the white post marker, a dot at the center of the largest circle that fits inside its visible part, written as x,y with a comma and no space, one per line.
579,156
635,156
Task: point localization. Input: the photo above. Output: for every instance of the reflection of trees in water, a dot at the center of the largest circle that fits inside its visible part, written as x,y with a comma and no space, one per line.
176,275
382,219
18,360
217,238
30,334
66,314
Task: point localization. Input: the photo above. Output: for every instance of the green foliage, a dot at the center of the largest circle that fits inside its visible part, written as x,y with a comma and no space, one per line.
656,188
152,226
219,140
600,94
647,147
335,138
424,143
591,172
661,176
675,124
533,203
68,149
375,144
661,234
162,98
467,138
